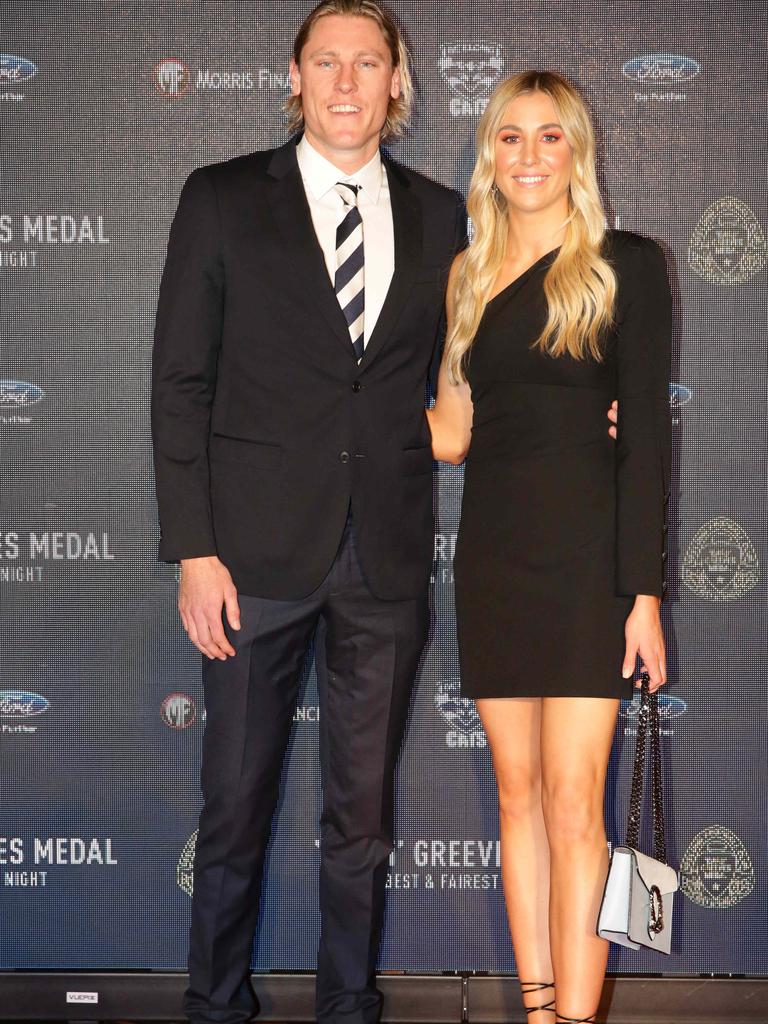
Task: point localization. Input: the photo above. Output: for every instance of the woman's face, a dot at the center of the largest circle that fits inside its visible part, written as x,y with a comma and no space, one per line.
533,156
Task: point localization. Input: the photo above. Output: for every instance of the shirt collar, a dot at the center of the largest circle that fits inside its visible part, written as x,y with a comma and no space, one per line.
320,175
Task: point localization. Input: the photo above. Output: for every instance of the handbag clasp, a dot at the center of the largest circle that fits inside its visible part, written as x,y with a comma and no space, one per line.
656,924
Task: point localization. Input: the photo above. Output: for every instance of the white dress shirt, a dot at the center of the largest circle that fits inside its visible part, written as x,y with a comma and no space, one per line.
327,208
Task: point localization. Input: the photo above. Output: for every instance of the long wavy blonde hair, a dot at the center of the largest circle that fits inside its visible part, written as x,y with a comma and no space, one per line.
580,285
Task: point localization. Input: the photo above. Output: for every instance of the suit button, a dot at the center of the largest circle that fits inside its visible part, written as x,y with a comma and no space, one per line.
344,457
357,386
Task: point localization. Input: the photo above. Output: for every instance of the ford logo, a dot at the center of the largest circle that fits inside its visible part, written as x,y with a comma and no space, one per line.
679,395
17,394
20,704
669,707
15,69
661,68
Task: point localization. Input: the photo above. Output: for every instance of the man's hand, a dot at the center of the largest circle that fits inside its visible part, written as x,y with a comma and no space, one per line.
206,587
613,416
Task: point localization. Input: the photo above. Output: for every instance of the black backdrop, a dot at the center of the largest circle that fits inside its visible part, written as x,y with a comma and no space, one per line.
105,107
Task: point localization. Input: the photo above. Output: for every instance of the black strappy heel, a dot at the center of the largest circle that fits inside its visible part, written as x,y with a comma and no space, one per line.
560,1019
538,986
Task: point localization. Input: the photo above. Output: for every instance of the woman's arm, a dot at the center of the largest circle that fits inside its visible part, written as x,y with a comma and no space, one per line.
643,449
450,421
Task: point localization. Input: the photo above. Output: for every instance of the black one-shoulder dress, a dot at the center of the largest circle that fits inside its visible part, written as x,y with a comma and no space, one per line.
560,525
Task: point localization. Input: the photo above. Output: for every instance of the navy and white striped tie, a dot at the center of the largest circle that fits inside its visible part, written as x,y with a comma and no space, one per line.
349,282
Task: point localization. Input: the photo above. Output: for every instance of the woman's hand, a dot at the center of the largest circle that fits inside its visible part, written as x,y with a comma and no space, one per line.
450,421
644,637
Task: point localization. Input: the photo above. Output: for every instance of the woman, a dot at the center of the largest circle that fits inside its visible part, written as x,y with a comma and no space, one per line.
559,559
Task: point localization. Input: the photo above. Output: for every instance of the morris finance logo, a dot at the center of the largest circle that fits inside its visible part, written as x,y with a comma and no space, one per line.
720,563
444,551
14,72
727,246
679,395
178,711
307,713
184,878
716,871
471,71
662,74
171,78
461,715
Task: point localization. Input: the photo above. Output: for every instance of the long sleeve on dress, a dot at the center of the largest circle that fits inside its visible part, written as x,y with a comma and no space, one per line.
643,457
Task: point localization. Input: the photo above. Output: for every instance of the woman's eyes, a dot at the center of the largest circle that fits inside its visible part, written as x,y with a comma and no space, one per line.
548,138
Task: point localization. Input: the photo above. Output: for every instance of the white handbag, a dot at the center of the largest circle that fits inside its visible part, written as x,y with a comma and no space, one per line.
637,903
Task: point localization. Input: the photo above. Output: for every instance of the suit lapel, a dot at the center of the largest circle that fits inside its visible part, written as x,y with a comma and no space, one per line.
293,218
407,224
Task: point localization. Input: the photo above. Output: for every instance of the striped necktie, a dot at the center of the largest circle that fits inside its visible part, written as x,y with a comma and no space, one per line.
349,283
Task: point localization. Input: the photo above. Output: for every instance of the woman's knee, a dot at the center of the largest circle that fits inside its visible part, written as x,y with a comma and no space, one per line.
519,793
573,811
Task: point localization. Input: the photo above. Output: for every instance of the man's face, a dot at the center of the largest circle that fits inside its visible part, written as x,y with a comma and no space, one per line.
345,79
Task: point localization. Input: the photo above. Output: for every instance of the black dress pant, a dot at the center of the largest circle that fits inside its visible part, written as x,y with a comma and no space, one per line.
367,654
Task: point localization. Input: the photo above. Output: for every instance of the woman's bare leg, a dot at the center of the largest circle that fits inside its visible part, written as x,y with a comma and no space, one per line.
513,730
576,738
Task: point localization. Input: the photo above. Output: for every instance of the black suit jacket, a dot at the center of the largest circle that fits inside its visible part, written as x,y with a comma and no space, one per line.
264,425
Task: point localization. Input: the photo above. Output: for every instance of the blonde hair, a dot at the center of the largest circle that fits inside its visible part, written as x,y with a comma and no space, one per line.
580,285
399,110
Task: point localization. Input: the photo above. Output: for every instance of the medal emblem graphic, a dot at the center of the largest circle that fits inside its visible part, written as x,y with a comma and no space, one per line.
720,563
727,246
717,871
184,878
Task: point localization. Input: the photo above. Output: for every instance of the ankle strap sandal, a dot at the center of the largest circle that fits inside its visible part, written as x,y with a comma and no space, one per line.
538,986
560,1019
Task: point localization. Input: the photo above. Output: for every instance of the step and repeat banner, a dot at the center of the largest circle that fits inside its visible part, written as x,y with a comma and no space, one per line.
105,107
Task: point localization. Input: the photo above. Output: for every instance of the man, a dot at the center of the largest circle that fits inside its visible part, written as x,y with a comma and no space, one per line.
299,310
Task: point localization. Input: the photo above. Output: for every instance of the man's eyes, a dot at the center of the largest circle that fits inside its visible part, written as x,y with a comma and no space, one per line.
332,64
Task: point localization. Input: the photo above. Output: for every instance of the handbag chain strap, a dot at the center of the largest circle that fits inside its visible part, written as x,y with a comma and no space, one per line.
648,721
